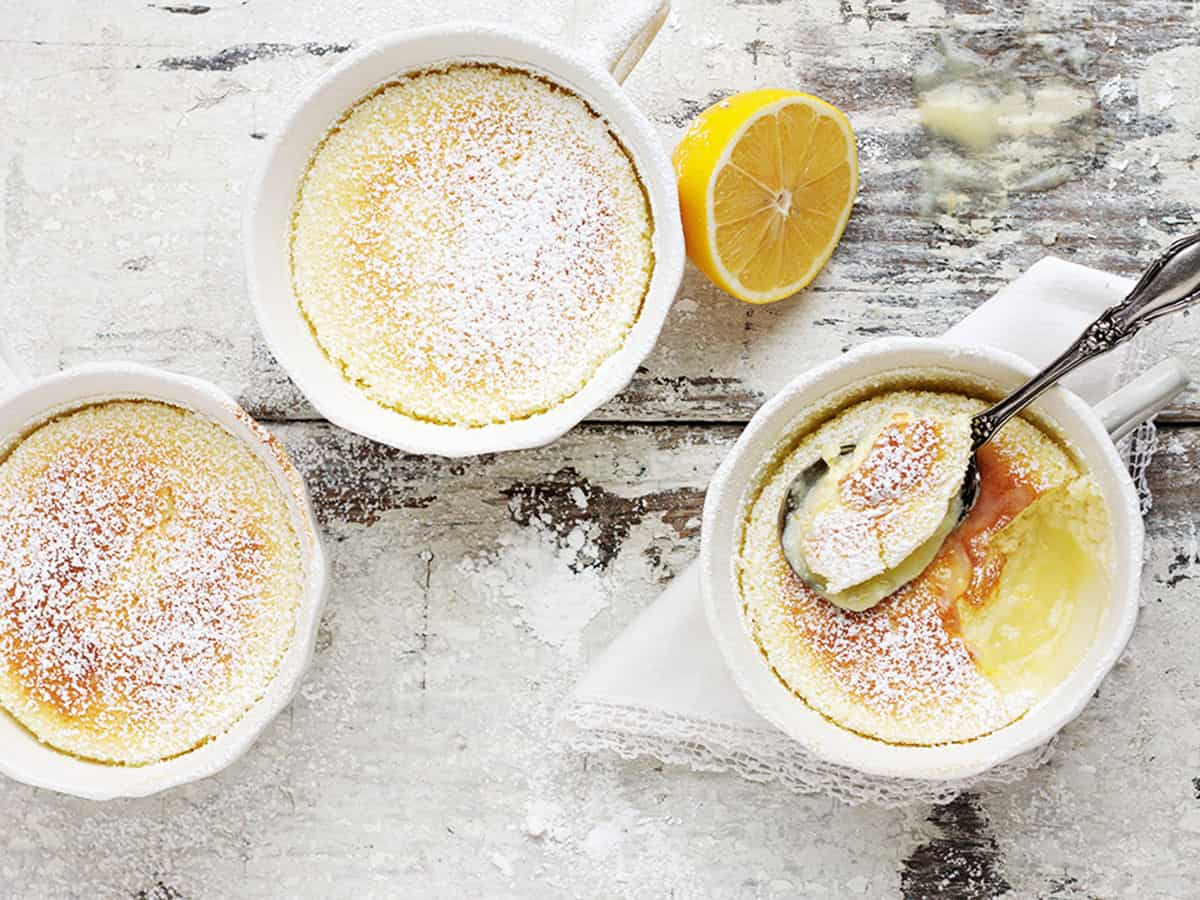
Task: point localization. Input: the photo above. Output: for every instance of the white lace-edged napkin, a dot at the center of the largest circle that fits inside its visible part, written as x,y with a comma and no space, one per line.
662,688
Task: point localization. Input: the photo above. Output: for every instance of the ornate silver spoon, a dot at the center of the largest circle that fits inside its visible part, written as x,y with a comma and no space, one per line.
1171,283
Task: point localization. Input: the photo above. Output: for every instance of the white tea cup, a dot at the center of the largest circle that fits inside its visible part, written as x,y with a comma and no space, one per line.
1089,432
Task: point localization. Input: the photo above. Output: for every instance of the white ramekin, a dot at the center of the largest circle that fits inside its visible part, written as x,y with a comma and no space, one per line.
606,52
25,403
1089,431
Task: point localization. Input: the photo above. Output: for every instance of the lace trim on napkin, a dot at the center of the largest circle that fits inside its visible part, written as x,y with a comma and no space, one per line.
766,755
763,755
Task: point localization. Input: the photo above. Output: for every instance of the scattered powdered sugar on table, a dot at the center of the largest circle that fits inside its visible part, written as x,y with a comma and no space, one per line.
531,572
149,575
470,244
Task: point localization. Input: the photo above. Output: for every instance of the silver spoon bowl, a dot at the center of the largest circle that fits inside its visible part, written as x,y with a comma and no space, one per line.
1171,283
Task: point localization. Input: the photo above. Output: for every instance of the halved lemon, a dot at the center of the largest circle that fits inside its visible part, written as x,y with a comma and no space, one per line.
766,182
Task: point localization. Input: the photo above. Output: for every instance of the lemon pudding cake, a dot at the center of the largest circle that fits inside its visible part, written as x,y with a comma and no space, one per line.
1001,615
882,511
470,244
150,578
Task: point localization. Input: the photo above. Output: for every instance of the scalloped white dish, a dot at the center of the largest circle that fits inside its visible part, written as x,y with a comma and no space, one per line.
25,404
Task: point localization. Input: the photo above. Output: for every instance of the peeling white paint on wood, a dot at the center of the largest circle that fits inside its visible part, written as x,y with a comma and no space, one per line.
423,745
420,758
131,133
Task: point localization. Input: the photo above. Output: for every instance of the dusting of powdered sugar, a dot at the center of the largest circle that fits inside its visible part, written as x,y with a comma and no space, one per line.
900,461
893,498
470,244
149,576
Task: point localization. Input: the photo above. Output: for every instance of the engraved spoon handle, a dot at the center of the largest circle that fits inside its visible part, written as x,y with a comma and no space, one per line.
1169,284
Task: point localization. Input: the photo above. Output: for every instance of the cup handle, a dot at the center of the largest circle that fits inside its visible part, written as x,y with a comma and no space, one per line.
1139,401
13,373
617,34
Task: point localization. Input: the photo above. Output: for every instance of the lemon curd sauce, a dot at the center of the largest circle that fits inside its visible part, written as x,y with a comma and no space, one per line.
470,244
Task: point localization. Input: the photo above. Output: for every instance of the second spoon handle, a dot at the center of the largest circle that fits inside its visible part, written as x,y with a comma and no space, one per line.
1169,284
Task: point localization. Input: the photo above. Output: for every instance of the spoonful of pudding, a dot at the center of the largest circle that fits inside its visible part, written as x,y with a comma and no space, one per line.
867,518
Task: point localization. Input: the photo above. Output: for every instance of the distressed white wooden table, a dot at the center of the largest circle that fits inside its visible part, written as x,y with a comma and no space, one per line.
419,759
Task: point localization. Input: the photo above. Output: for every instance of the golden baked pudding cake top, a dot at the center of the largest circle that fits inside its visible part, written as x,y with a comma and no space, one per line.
150,577
470,244
1004,612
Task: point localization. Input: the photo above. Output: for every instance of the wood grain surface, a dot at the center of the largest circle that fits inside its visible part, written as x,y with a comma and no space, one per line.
421,757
